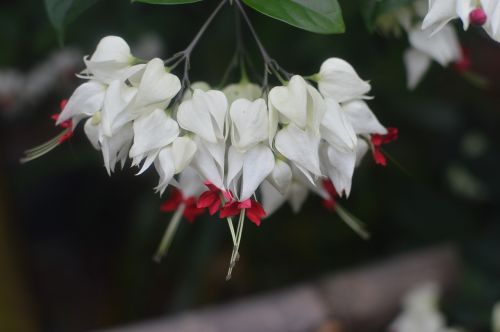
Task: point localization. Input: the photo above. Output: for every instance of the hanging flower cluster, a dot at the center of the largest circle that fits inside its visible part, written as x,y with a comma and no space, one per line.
432,39
482,13
442,47
239,151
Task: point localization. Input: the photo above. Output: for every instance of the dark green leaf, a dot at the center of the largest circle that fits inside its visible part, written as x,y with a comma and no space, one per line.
63,12
167,2
320,16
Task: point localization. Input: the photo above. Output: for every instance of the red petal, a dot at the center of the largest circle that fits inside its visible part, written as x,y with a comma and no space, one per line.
207,199
192,212
246,204
229,210
329,204
212,187
173,202
212,209
330,188
228,196
66,136
392,135
62,104
256,213
379,157
253,218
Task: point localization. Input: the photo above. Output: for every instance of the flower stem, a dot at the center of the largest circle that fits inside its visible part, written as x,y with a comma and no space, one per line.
229,222
181,56
185,55
166,241
235,254
270,65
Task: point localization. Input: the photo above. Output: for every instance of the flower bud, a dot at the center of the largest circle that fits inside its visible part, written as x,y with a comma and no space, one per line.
478,17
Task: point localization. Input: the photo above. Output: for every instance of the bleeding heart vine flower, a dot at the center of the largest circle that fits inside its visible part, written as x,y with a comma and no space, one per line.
483,13
111,60
338,79
241,152
442,47
243,89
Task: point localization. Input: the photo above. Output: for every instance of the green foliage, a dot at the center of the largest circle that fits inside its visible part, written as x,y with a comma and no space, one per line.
373,9
167,2
320,16
63,12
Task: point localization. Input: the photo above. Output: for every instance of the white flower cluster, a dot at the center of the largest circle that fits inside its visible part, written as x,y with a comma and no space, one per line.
234,139
442,47
484,13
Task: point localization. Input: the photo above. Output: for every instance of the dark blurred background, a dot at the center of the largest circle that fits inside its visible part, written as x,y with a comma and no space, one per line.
76,246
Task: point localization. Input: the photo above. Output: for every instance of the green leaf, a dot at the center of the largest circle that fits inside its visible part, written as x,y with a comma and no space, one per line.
373,9
320,16
167,2
63,12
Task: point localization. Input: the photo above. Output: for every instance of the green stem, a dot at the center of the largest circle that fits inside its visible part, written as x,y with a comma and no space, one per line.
166,241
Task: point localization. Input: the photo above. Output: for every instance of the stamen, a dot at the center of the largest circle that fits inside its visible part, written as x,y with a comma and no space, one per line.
166,241
354,223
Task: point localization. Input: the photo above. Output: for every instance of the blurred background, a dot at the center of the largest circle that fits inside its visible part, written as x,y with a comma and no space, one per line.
76,246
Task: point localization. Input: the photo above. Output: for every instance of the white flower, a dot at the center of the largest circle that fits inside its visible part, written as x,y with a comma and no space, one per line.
492,26
298,103
443,47
301,147
281,176
86,100
336,128
338,79
152,132
361,149
157,88
204,115
200,85
209,161
246,171
485,13
114,148
339,166
362,119
250,160
174,159
243,89
249,123
111,60
118,97
272,199
189,182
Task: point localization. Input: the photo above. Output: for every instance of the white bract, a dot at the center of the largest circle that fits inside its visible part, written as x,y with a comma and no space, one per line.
485,13
237,142
338,79
442,47
111,60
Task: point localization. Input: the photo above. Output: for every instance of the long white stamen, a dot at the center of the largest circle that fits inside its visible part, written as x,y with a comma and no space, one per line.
235,254
166,241
354,223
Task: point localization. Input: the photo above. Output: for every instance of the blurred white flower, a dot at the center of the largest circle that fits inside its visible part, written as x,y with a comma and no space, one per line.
485,13
442,47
